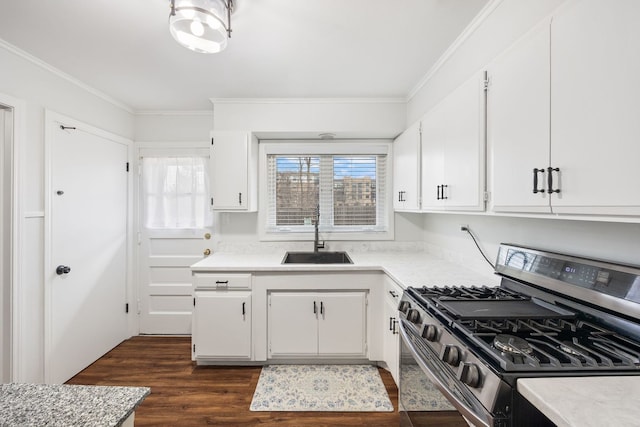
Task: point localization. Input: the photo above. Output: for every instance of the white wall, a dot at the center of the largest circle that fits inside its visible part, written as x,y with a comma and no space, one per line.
508,21
41,87
309,117
190,126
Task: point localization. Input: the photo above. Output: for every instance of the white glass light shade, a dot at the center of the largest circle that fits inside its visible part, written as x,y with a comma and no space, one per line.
199,25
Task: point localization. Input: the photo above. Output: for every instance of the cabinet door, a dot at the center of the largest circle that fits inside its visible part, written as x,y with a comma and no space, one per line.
406,170
342,324
595,107
229,172
390,340
293,324
453,150
433,140
222,325
464,148
518,108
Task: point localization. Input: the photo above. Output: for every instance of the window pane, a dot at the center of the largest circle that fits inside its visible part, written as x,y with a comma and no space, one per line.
354,190
297,189
175,192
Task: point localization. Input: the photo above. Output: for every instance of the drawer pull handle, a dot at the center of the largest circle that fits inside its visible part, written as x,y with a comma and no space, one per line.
222,282
243,308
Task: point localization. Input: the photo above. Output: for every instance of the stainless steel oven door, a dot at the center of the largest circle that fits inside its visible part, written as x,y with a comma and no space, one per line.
419,364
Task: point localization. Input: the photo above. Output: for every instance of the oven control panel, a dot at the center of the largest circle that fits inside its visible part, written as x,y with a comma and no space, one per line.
535,266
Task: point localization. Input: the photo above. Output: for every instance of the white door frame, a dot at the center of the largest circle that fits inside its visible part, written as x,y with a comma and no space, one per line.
51,121
16,303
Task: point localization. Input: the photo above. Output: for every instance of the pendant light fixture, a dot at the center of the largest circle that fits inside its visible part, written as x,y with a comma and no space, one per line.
203,26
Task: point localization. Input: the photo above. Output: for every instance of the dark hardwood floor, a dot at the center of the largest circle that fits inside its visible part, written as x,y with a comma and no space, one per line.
183,394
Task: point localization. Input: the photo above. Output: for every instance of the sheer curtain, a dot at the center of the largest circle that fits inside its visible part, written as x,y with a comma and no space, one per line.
176,192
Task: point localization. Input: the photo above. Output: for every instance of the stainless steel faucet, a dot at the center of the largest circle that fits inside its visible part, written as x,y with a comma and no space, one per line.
316,244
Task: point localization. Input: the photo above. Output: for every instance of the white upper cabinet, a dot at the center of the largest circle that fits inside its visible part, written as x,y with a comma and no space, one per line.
406,170
453,150
518,109
563,108
234,171
595,107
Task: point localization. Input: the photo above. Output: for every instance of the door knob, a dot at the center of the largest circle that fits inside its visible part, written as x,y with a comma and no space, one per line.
207,252
62,269
207,236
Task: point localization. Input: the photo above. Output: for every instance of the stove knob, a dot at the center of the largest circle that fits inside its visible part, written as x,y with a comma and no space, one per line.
451,355
404,306
470,375
413,316
430,332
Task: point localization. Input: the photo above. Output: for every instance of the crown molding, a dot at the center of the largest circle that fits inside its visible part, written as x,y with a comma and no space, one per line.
486,11
174,112
61,74
308,100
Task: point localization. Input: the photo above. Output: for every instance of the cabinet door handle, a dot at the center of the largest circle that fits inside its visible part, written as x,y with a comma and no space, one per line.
315,309
240,199
550,189
443,196
394,331
393,294
391,319
243,308
535,180
321,308
438,192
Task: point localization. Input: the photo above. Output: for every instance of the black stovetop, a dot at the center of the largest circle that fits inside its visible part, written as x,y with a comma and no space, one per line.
548,337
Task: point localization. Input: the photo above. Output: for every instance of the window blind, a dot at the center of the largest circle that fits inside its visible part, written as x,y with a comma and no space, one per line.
349,191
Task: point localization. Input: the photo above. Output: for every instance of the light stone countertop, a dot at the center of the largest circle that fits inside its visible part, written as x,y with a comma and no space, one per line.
406,268
585,401
54,405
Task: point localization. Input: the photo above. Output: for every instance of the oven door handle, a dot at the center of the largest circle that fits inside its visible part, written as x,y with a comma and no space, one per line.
461,406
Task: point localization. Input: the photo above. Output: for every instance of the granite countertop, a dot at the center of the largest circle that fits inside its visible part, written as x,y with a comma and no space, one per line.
67,405
406,268
585,401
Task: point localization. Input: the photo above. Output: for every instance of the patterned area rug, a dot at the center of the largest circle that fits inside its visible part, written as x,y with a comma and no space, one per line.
344,388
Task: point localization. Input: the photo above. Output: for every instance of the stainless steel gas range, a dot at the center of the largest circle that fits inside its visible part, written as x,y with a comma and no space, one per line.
552,315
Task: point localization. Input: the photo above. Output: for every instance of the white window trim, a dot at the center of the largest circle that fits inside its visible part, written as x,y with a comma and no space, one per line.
339,147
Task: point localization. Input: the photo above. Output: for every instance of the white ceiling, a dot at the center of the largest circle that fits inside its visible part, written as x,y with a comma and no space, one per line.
278,48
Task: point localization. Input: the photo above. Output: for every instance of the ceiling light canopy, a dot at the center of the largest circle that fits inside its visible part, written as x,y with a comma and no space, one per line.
203,26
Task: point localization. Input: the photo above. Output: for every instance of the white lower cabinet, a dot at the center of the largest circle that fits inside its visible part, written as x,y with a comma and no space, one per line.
391,337
311,324
222,325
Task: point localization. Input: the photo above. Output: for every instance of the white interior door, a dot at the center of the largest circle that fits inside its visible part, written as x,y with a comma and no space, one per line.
176,240
85,314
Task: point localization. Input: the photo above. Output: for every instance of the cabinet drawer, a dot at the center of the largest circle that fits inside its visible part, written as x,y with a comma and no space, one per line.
222,281
392,292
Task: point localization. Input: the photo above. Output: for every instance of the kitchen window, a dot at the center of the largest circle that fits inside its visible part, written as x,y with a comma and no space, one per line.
346,183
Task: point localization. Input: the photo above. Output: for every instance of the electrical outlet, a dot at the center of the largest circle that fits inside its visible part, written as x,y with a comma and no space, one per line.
464,227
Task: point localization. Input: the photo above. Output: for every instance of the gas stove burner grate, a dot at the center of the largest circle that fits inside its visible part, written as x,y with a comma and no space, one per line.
461,293
569,348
